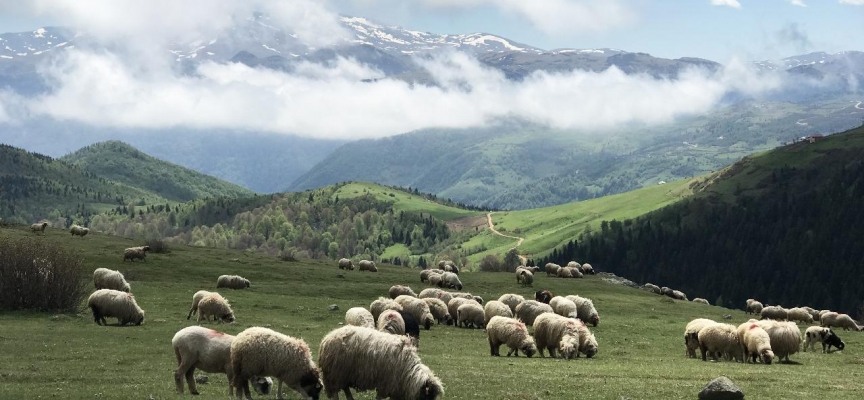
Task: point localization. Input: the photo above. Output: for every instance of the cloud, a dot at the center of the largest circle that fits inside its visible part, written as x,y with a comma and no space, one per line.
795,35
799,3
727,3
853,2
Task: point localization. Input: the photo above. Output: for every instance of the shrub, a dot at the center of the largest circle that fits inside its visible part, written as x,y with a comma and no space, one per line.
40,276
491,263
157,246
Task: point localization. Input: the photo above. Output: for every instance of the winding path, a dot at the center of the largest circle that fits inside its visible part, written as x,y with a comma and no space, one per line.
495,231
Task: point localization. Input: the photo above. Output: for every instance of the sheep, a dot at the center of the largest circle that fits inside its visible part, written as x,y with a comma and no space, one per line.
701,301
116,304
575,273
822,335
77,230
359,316
435,280
398,290
391,321
524,277
785,337
813,313
261,351
345,263
439,310
835,320
134,253
587,341
665,291
216,305
587,269
511,300
691,335
38,227
774,312
543,296
470,314
529,310
494,308
573,264
454,303
754,307
565,307
424,274
652,288
799,314
104,278
551,269
451,268
196,299
678,295
450,280
462,295
232,282
585,308
412,328
513,333
442,265
758,344
478,299
720,338
436,293
554,332
366,265
365,359
418,308
565,272
381,305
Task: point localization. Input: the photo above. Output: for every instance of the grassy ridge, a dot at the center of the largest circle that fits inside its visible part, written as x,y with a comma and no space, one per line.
403,201
641,351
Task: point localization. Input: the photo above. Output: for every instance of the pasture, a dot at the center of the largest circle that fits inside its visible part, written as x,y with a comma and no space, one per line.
641,352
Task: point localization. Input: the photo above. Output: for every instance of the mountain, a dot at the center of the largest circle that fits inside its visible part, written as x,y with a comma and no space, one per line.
123,163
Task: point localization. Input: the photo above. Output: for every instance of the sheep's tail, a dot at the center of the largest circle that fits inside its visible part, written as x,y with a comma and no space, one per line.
177,353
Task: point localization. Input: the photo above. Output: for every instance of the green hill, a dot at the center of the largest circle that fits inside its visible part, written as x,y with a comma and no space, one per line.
123,163
641,354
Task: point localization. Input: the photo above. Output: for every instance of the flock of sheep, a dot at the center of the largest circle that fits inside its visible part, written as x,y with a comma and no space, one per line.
75,230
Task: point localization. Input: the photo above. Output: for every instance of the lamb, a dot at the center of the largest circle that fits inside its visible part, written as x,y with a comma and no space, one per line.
232,282
835,320
511,300
470,314
359,316
678,295
799,314
436,293
543,296
366,265
754,307
565,272
529,310
398,290
439,310
691,335
785,337
365,359
774,312
454,304
496,308
345,263
701,301
551,269
196,299
450,280
217,306
260,351
511,332
758,344
77,230
424,274
822,335
565,307
116,304
134,253
391,321
554,332
435,280
383,304
104,278
652,288
587,269
586,310
39,227
418,308
524,277
720,338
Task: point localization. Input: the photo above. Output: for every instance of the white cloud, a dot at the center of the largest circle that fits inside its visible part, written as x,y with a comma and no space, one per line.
853,2
799,3
727,3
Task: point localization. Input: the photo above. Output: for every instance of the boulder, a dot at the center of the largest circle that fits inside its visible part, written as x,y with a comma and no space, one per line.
721,388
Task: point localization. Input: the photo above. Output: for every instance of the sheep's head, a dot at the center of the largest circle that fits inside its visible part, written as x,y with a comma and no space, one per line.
311,384
126,287
140,320
569,347
448,319
247,282
428,321
431,390
458,286
228,318
478,299
767,356
262,386
594,320
834,340
590,347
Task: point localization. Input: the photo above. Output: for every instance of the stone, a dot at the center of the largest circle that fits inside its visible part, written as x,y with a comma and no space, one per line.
202,379
721,388
333,307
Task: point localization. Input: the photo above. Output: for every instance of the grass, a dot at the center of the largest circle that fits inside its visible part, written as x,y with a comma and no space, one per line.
403,201
641,351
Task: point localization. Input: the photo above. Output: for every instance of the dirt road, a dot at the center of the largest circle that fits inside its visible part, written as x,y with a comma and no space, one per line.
495,231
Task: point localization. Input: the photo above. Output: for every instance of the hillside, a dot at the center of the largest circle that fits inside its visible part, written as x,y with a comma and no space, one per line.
640,347
123,163
768,227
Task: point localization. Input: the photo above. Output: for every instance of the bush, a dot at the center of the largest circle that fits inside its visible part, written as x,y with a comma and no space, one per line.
157,246
40,276
491,263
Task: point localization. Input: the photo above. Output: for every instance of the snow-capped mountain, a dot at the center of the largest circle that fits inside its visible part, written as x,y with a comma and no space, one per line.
35,43
812,59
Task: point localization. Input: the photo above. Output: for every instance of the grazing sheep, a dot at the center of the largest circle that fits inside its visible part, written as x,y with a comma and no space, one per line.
785,337
450,280
424,274
587,341
391,321
565,272
216,305
451,268
381,305
435,280
822,335
554,332
232,282
345,263
470,314
478,299
774,312
454,303
691,335
134,253
418,308
758,344
366,265
196,299
551,269
665,291
260,351
573,264
104,278
701,301
652,288
496,308
511,332
543,296
462,295
588,269
412,328
77,230
435,293
813,313
586,310
398,290
554,301
115,304
799,314
678,295
529,310
835,320
720,339
754,307
439,310
442,265
564,307
524,277
365,359
359,316
575,273
511,300
39,227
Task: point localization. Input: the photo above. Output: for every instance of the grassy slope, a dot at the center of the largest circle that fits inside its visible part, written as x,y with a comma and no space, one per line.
641,351
403,201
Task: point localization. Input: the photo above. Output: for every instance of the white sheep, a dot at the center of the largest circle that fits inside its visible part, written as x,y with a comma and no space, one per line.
436,293
524,277
366,359
551,269
439,310
511,300
565,272
260,351
77,230
366,265
442,265
471,314
754,307
529,310
454,303
573,264
424,274
232,282
588,269
463,295
678,295
691,334
701,301
587,342
345,263
398,290
359,316
417,308
196,298
813,313
652,288
665,291
450,280
513,333
758,344
115,304
785,337
451,268
835,320
564,307
383,304
435,280
556,333
774,312
134,253
478,299
39,227
496,308
799,314
213,304
585,308
391,321
822,335
720,339
104,278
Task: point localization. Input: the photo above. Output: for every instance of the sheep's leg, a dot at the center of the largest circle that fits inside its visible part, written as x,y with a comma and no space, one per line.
704,352
190,379
191,311
348,394
492,349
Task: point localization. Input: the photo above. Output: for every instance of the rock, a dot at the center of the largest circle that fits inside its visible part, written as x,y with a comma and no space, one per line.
340,275
333,307
202,379
727,317
721,388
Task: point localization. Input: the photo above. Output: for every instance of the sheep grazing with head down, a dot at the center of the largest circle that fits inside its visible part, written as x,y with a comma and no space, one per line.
496,308
524,277
232,282
77,230
556,333
573,264
418,308
451,268
785,337
470,315
136,253
813,313
565,272
511,300
398,290
213,304
835,320
564,307
412,328
543,296
436,280
551,269
588,269
758,344
665,291
436,293
720,339
701,301
260,351
115,304
822,335
691,335
426,273
511,332
383,304
454,304
442,265
799,314
652,288
345,263
585,309
463,295
754,307
678,295
359,316
365,359
451,281
104,278
478,299
366,265
587,342
529,310
776,313
39,227
196,299
439,310
391,321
